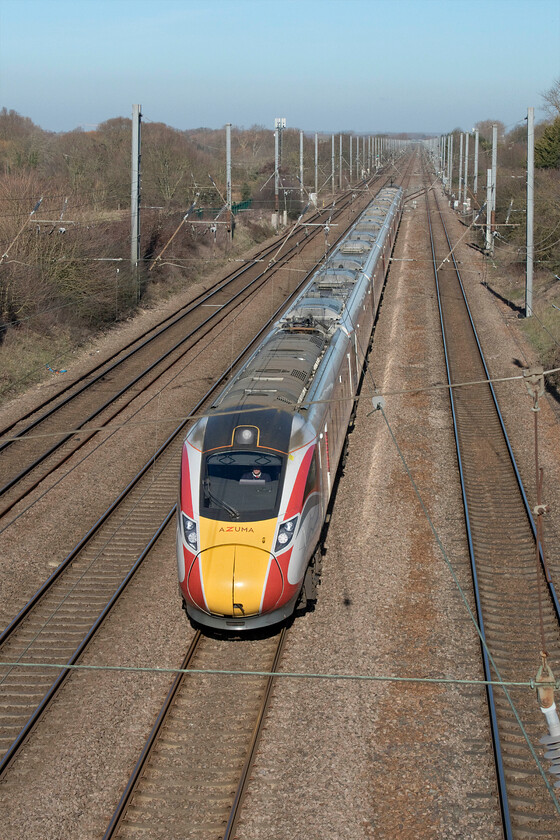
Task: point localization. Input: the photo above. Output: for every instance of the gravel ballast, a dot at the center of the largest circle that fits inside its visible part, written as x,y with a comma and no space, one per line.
338,758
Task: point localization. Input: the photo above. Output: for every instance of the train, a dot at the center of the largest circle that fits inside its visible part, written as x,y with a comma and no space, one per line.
257,470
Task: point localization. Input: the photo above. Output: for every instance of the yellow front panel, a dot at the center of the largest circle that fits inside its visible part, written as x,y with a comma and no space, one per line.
233,577
234,560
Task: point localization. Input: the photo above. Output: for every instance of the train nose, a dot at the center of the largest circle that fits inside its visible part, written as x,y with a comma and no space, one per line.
234,578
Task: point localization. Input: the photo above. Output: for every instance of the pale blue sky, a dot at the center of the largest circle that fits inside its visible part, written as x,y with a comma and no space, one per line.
324,65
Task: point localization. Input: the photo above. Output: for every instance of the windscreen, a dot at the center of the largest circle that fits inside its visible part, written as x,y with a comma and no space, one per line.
241,486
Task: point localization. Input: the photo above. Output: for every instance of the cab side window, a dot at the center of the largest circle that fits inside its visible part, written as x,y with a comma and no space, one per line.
311,483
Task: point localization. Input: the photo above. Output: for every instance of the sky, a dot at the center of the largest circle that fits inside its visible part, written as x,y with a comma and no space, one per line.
324,65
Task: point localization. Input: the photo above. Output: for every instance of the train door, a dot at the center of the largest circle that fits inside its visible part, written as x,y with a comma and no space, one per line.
324,457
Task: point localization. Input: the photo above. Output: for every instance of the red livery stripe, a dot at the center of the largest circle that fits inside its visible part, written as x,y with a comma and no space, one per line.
192,585
186,496
274,587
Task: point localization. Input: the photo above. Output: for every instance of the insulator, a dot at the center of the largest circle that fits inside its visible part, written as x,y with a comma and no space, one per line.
545,685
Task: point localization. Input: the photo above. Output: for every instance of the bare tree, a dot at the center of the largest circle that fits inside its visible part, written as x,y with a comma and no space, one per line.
552,99
485,130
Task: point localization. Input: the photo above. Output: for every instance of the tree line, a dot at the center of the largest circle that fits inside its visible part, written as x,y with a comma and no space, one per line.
511,190
60,262
65,205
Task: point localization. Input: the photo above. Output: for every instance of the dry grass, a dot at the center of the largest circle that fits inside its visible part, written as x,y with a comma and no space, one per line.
27,355
92,300
505,276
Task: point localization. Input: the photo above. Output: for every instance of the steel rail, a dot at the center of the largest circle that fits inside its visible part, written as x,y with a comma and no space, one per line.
527,506
151,740
146,756
251,754
503,797
9,755
500,767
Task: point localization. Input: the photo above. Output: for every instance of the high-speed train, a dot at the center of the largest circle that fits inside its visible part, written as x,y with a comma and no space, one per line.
257,471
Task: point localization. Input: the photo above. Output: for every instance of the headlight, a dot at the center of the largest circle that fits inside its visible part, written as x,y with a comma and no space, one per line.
286,533
189,532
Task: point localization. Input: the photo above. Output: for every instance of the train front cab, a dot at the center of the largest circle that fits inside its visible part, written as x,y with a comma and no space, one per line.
243,557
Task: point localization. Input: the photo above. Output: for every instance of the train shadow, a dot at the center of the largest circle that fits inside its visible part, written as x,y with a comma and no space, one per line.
515,307
256,635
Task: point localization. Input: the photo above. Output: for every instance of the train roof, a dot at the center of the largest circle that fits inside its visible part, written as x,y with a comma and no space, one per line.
279,373
273,429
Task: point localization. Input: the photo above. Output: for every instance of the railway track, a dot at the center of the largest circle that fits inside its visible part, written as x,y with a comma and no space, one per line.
191,776
41,441
195,765
61,619
508,582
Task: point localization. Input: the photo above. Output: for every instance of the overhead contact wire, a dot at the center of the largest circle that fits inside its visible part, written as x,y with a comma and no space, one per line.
311,675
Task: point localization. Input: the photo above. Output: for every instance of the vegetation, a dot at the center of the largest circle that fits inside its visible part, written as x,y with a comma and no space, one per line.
65,219
547,150
65,226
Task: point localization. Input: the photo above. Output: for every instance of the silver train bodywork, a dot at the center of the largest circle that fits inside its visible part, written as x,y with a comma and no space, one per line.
245,547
